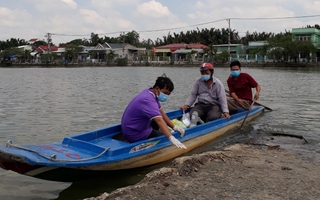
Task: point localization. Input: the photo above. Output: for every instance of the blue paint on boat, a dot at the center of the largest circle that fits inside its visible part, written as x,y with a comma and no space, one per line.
102,149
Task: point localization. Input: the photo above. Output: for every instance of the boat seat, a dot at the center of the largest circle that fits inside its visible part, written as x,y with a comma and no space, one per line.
120,137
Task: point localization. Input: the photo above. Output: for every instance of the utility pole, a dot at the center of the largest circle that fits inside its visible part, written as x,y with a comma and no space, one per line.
228,20
49,40
123,44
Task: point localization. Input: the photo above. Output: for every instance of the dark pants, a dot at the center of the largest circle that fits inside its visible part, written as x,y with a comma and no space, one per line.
207,112
155,130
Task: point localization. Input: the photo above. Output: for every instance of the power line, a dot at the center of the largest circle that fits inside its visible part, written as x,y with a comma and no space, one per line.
274,18
200,24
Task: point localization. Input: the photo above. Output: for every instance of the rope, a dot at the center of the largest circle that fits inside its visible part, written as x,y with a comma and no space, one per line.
53,157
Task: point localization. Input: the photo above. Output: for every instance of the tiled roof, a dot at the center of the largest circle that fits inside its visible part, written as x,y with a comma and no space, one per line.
43,48
176,46
33,40
117,45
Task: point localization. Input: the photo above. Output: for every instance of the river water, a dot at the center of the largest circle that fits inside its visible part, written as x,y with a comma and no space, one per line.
40,105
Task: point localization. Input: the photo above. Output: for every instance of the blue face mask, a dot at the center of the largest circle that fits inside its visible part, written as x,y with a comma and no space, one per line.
205,77
162,97
235,73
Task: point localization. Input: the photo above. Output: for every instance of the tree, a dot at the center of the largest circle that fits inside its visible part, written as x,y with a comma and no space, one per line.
72,51
222,57
26,55
132,38
8,53
95,40
148,44
91,54
110,56
285,47
211,51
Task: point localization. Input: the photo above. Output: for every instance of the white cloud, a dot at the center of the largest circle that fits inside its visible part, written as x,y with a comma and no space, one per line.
35,18
153,9
312,7
71,3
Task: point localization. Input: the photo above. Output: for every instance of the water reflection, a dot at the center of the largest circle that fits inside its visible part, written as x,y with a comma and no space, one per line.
105,182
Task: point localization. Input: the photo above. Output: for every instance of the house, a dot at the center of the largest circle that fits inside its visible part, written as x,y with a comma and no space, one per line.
43,49
308,34
32,40
255,45
84,55
120,50
25,48
235,49
180,51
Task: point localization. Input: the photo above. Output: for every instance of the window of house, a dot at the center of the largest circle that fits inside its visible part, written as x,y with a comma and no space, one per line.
303,37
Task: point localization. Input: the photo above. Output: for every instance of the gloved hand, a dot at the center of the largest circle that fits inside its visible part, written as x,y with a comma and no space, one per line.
176,142
180,130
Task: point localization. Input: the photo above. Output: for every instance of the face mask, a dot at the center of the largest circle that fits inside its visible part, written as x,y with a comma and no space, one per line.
235,73
205,77
162,97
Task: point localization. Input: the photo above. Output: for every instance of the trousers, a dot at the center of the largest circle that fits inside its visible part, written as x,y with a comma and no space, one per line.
233,105
207,112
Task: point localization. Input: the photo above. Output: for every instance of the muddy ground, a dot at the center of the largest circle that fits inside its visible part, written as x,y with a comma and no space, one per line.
261,169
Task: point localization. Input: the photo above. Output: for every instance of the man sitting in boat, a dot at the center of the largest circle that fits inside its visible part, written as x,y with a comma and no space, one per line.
144,116
212,103
240,85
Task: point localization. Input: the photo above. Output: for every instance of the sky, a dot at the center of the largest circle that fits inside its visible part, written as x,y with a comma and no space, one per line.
77,19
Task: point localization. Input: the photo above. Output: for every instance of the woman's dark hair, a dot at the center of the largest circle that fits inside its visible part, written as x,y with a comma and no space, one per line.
164,82
234,63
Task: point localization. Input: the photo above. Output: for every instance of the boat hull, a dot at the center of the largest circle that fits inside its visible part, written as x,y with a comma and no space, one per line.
159,151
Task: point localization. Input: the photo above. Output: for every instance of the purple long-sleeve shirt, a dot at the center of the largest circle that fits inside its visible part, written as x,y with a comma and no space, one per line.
215,95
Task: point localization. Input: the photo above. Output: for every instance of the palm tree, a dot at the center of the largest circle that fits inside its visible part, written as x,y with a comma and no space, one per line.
211,51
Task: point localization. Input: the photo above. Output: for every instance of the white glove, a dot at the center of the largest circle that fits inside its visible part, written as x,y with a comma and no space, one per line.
176,142
180,130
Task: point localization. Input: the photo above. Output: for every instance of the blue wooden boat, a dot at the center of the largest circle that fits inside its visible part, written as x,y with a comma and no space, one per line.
105,150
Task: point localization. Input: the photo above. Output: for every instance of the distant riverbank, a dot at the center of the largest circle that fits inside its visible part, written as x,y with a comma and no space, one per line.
164,64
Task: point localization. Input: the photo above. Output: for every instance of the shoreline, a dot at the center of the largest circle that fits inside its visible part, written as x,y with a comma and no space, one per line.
154,64
263,169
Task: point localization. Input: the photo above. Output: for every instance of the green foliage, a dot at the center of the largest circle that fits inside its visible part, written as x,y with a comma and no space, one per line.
75,42
47,58
72,51
222,57
148,44
91,54
255,51
11,51
111,55
210,52
13,42
315,26
147,63
122,61
204,36
284,48
132,38
280,45
38,43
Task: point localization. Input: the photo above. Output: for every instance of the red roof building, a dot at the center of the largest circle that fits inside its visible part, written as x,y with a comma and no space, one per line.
44,49
177,46
33,40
